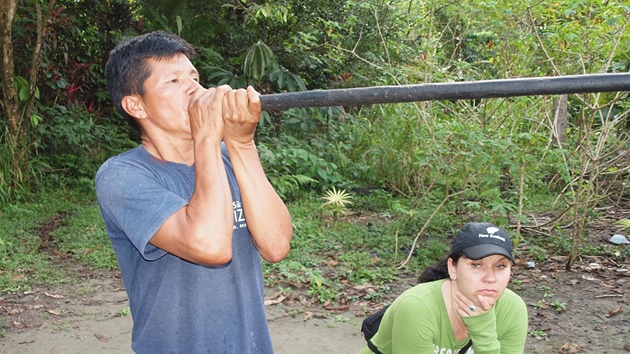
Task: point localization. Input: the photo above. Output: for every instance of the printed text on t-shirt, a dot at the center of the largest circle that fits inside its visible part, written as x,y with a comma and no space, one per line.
438,350
239,216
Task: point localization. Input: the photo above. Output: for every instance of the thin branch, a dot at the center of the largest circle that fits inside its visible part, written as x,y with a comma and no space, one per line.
380,33
426,224
539,40
42,24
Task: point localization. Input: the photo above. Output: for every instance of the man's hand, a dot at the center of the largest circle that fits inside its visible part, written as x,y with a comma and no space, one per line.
206,110
241,113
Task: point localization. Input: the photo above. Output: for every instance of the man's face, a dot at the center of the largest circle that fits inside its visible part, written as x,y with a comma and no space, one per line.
167,92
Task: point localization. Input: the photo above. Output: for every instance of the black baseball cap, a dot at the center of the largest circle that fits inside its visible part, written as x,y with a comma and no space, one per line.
477,240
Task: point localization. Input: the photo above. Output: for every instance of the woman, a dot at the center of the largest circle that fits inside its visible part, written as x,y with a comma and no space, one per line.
462,298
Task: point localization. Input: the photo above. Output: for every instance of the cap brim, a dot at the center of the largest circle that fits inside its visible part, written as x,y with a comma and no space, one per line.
482,251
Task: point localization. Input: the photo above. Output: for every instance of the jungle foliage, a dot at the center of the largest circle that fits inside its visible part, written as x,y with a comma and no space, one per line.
503,160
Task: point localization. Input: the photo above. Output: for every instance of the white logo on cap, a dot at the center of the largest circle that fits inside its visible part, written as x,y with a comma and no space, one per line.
491,233
491,230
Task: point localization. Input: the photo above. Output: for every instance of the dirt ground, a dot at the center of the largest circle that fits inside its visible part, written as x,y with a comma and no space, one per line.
93,317
583,311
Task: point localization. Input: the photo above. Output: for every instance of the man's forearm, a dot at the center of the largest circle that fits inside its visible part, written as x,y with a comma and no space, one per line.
267,216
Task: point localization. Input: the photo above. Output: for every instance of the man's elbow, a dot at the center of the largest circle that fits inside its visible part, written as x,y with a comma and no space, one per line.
214,255
275,257
278,252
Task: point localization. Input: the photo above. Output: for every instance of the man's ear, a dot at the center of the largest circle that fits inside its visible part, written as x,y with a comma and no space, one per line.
133,106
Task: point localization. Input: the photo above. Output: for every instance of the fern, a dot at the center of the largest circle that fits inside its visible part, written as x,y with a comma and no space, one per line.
285,185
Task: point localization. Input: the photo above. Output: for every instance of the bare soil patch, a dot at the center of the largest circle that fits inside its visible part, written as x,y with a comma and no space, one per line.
583,311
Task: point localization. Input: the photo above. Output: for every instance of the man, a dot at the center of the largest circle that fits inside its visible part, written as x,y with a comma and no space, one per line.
189,212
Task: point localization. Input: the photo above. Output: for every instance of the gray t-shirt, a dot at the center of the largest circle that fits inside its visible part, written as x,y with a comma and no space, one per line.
178,306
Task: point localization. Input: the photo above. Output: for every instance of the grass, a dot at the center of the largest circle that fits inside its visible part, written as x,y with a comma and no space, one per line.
24,261
327,252
35,237
365,246
84,237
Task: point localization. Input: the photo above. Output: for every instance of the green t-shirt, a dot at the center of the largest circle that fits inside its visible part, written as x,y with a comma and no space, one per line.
417,322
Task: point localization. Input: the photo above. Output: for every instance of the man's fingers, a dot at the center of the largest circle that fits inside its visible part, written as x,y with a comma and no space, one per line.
241,100
253,98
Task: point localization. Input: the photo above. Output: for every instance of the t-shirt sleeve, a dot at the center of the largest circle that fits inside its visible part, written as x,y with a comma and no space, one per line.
413,328
502,329
134,203
483,332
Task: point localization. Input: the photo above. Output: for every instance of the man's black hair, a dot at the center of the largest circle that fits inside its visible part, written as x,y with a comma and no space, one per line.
127,69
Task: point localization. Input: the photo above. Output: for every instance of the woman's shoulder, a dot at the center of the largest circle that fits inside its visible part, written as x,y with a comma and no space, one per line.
421,305
425,293
510,294
511,313
510,301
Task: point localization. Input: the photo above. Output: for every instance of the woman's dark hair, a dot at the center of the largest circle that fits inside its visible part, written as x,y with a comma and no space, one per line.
127,69
439,270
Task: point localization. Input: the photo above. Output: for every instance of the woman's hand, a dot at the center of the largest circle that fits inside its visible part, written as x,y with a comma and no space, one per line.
466,307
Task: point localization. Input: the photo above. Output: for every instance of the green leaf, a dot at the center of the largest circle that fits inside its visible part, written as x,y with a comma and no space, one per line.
23,95
36,119
258,61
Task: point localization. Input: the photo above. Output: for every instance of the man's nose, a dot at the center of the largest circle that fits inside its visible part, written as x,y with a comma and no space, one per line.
193,85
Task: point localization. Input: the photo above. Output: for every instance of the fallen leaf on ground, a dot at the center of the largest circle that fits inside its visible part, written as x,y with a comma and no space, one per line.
337,308
614,312
364,287
569,347
54,296
13,311
55,312
101,338
275,301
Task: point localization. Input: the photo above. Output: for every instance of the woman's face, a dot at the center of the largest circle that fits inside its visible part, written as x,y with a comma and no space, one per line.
488,276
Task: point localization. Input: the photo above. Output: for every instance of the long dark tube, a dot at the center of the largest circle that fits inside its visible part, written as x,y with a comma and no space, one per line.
554,85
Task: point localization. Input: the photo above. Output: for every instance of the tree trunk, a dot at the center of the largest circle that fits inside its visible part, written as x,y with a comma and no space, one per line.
10,97
16,151
561,117
16,116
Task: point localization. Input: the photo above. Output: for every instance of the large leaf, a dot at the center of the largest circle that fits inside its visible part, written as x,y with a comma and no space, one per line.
258,61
